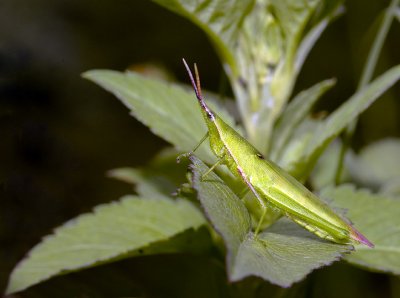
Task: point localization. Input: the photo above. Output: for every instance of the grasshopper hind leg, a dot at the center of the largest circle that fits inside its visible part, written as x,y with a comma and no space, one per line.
261,220
260,200
221,160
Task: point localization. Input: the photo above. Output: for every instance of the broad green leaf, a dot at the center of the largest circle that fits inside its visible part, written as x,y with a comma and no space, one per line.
168,110
113,231
295,112
224,209
377,217
342,117
282,254
377,163
391,188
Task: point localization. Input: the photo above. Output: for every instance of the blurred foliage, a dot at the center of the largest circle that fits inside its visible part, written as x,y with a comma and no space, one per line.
60,134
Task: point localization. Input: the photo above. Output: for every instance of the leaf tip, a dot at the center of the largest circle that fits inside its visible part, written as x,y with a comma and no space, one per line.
87,74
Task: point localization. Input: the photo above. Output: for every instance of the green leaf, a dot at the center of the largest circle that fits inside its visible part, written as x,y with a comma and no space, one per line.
329,11
340,118
114,231
397,13
377,217
258,43
391,188
282,254
168,110
294,151
226,212
266,53
127,174
221,20
147,184
292,17
377,163
324,173
295,112
159,179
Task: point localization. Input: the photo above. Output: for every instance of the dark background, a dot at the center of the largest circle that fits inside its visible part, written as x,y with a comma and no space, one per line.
59,133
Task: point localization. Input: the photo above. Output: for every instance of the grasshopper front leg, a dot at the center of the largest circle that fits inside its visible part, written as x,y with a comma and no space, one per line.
178,159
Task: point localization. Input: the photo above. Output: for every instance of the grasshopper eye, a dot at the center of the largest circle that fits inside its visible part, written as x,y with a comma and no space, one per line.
260,156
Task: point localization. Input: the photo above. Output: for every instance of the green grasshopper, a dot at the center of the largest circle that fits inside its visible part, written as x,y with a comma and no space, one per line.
271,185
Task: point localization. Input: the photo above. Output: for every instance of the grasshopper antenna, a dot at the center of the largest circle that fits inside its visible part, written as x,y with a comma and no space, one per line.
195,83
197,88
196,73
